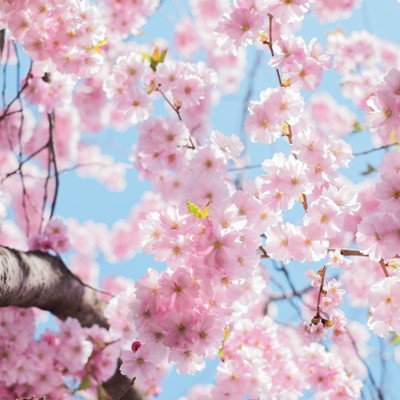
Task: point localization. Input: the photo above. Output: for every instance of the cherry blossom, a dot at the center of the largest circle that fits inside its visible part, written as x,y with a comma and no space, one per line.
223,234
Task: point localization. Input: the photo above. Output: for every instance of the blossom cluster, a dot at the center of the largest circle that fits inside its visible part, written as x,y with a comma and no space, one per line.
262,361
269,115
125,17
358,285
309,172
54,237
302,65
74,352
361,58
243,21
197,33
48,90
378,233
65,35
207,262
332,10
189,87
122,87
384,303
331,117
384,106
160,145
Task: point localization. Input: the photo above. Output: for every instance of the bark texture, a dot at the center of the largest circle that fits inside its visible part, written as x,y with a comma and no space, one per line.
38,279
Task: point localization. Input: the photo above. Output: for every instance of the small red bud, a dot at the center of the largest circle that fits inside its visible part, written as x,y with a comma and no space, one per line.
135,346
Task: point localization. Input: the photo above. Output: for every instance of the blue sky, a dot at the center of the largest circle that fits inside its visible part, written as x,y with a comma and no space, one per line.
85,199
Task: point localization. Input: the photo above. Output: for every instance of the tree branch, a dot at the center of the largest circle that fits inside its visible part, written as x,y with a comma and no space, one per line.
37,279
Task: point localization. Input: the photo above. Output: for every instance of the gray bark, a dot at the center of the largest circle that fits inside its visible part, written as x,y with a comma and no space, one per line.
38,279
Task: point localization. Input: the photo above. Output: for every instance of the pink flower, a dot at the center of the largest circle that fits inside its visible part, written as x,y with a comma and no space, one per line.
187,362
186,41
384,302
141,364
330,116
376,238
337,260
180,289
314,246
239,27
179,329
306,74
289,11
326,213
392,82
282,241
384,111
332,10
388,191
221,251
189,91
137,106
263,124
210,331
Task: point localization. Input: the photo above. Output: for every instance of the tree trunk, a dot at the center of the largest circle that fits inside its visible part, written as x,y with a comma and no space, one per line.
37,279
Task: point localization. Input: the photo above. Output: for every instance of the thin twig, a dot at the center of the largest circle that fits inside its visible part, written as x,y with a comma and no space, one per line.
321,288
176,110
384,269
386,146
18,169
52,155
350,252
3,91
271,49
289,295
370,375
2,41
17,96
289,299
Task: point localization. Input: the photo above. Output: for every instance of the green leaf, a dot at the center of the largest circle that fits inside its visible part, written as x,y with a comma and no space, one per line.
85,384
370,169
196,210
146,57
395,339
357,127
205,211
162,55
156,58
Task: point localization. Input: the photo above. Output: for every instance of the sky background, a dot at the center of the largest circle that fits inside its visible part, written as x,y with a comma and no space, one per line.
85,199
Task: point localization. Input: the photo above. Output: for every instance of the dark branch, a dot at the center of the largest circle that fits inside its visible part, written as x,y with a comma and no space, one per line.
37,279
385,147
